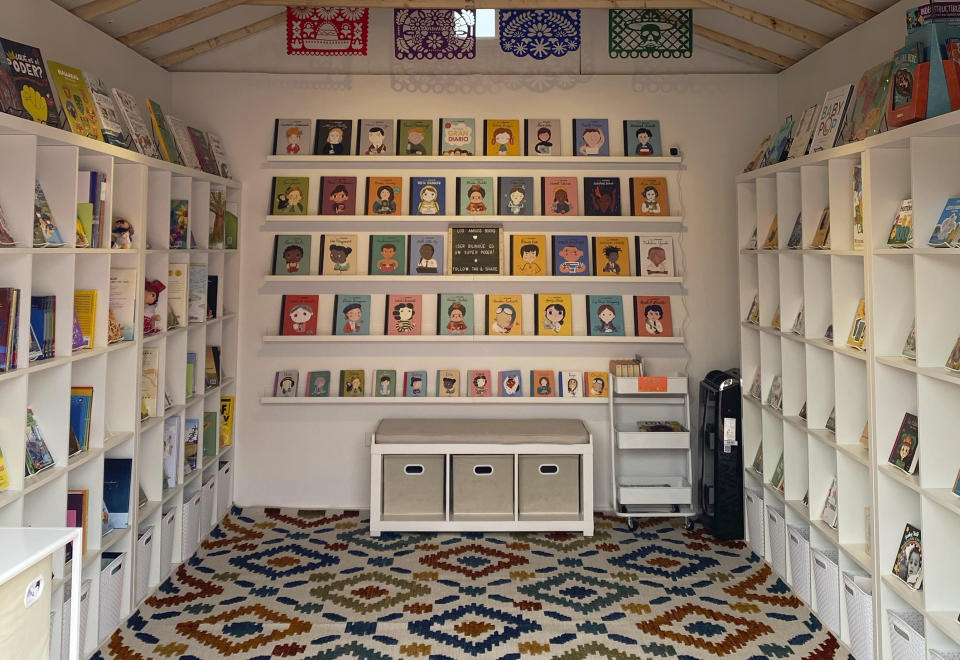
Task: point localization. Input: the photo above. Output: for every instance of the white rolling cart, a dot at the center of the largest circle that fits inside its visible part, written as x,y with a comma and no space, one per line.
652,471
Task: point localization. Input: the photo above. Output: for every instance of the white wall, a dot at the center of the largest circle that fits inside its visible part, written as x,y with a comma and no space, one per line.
315,455
841,61
63,37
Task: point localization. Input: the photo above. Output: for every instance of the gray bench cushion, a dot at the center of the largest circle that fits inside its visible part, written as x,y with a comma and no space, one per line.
490,431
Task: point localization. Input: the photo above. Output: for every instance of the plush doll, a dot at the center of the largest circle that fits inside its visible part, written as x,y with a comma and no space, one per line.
151,314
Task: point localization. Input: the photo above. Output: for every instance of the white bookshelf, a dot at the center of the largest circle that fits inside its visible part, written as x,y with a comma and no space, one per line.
139,189
876,385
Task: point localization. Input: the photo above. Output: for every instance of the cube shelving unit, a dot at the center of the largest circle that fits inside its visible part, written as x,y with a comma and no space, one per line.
876,386
139,189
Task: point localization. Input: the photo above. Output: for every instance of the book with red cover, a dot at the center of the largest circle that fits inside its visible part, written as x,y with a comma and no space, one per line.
652,317
208,163
299,314
404,315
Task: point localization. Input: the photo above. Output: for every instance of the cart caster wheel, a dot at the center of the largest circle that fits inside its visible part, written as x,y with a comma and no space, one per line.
688,524
632,524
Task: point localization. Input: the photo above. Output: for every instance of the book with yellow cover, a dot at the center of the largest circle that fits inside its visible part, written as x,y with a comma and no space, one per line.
501,137
528,254
226,420
554,314
85,306
4,477
75,100
772,236
858,330
161,131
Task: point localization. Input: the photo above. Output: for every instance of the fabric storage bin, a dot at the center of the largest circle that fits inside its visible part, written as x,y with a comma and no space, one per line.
224,490
144,563
549,487
25,628
826,585
113,567
858,598
167,527
413,487
798,549
482,487
937,654
777,530
191,526
65,618
754,509
208,494
907,641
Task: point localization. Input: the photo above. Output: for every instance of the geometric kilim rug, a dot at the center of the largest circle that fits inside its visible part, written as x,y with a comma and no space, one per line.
304,584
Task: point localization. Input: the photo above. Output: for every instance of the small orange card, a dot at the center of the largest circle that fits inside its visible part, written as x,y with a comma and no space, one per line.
652,383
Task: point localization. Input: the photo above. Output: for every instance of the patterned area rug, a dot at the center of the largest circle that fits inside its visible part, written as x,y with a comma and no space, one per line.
279,583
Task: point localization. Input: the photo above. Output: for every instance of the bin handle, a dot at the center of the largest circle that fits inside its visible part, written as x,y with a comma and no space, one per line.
820,563
116,568
483,470
413,469
549,468
897,630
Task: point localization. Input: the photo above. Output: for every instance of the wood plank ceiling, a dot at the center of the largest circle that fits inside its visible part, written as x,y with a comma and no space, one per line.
774,34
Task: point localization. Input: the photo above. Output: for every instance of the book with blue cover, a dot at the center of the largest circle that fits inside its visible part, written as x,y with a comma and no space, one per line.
428,195
641,137
591,137
605,316
571,255
515,195
947,231
117,477
455,314
511,383
425,253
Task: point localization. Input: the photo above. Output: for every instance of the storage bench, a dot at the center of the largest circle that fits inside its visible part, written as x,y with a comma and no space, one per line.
481,475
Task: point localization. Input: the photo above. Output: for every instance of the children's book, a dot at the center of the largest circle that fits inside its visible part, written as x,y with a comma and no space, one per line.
832,111
475,195
904,454
384,195
179,223
178,128
177,275
648,196
611,256
829,511
515,195
867,113
641,137
385,383
908,565
753,314
605,316
299,314
910,344
570,384
216,237
772,239
117,477
955,491
375,137
501,137
332,137
149,374
803,132
137,128
29,76
428,195
318,383
655,256
455,314
404,314
220,154
10,101
795,242
511,383
171,451
161,130
425,254
339,254
211,367
338,195
591,137
828,333
775,321
857,208
652,316
191,445
448,382
831,423
858,329
601,195
197,294
947,231
776,480
821,239
351,315
122,323
596,383
351,382
542,383
752,241
291,254
415,383
865,435
387,254
479,383
212,295
81,408
415,137
905,60
758,156
754,390
45,232
777,151
775,395
231,226
227,404
758,459
543,137
953,361
292,137
803,411
75,100
38,454
458,137
475,250
901,233
571,256
559,195
504,314
528,254
799,324
6,238
285,383
554,314
290,195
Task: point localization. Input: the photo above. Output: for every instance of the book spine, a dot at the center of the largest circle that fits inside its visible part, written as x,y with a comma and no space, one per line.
633,200
460,209
636,317
399,137
283,312
626,139
316,138
486,315
371,257
554,257
593,243
536,319
336,306
639,256
526,137
273,197
483,151
359,133
276,248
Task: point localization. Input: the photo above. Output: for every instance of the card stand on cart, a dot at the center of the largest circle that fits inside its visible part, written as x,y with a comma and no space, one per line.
652,469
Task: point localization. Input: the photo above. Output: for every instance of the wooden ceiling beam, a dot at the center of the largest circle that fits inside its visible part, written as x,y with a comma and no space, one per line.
206,46
753,50
847,9
96,8
492,4
177,22
785,28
